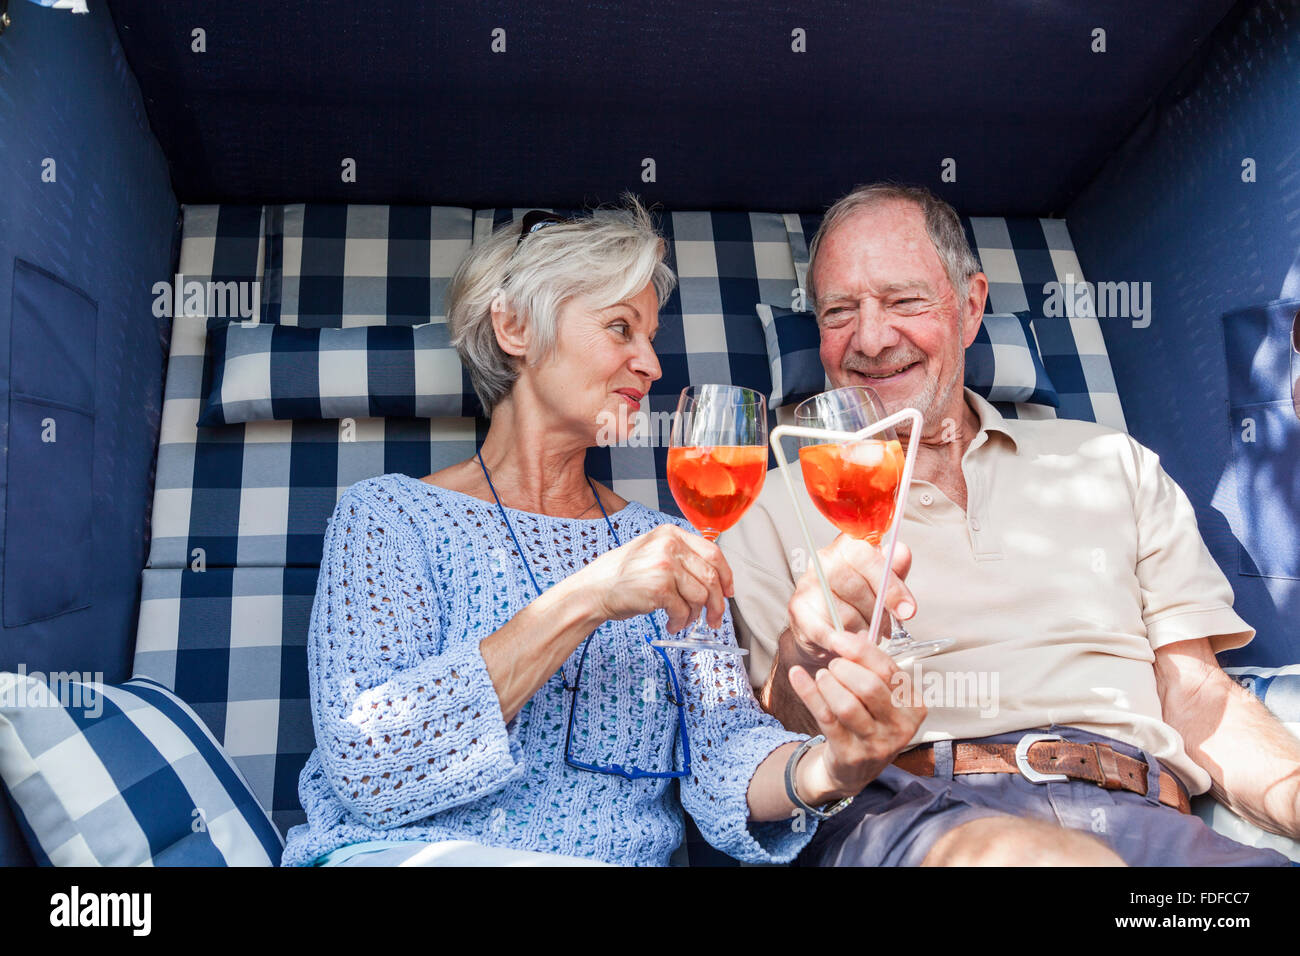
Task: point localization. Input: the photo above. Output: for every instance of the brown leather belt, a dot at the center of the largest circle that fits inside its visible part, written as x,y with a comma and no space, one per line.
1045,755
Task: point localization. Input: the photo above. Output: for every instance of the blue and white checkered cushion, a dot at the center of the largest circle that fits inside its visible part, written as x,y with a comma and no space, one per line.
263,371
124,775
1002,364
793,354
1278,689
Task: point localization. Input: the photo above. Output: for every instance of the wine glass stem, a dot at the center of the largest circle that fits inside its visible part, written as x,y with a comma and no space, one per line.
695,626
712,537
898,635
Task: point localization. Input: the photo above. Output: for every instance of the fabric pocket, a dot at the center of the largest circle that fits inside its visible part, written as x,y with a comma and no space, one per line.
50,464
1266,459
1262,367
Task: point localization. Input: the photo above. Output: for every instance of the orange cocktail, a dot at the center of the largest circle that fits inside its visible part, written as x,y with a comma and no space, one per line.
713,485
854,484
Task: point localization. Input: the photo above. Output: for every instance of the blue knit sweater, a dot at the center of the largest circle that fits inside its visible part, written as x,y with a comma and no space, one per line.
411,742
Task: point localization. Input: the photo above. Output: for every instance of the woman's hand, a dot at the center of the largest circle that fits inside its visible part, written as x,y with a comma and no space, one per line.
668,568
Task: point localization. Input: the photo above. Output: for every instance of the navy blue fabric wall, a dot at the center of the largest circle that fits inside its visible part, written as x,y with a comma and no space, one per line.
1173,209
734,108
79,346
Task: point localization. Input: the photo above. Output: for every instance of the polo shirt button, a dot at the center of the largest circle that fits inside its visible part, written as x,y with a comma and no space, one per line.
974,524
927,499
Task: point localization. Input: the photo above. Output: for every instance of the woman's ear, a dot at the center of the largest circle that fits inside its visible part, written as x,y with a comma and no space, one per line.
510,329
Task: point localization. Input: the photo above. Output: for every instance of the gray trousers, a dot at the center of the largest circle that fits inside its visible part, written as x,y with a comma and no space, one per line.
899,817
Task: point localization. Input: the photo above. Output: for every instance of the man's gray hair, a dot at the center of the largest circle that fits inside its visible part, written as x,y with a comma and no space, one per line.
607,257
941,222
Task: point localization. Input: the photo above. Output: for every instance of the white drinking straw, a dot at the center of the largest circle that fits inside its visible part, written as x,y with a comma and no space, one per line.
900,500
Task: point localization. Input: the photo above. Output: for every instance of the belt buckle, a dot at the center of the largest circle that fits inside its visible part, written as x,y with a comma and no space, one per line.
1022,760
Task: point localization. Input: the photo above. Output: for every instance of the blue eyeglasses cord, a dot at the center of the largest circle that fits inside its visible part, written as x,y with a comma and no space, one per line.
632,773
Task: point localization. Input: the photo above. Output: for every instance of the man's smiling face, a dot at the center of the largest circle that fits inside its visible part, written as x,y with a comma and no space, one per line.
889,317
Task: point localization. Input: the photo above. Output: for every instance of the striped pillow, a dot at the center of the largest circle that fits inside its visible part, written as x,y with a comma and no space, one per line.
1003,363
793,354
124,775
264,371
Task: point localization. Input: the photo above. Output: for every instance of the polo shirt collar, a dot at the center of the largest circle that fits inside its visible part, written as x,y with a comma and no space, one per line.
990,418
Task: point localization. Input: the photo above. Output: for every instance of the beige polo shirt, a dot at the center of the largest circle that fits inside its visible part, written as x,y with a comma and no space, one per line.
1076,558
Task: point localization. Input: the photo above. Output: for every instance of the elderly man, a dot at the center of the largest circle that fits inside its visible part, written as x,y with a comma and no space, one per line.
1061,558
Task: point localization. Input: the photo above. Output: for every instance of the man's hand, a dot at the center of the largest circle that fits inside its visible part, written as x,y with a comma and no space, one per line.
852,569
839,683
851,700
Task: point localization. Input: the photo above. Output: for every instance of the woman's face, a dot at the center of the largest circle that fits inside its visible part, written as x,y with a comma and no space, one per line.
603,366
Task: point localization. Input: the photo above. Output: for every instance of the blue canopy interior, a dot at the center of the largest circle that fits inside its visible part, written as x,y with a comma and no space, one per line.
714,93
109,122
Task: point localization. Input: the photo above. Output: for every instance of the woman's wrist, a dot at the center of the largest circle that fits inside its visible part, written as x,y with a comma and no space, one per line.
575,603
527,650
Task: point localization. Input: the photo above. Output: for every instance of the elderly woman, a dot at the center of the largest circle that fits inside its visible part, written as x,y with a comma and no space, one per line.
483,685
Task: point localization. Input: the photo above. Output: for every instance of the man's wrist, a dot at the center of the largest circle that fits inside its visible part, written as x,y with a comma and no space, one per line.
772,693
795,654
813,782
778,698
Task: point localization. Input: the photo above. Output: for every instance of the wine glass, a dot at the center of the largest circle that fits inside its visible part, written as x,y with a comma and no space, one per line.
855,484
717,460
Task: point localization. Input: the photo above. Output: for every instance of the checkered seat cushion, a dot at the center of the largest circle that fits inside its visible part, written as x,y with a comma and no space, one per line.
239,510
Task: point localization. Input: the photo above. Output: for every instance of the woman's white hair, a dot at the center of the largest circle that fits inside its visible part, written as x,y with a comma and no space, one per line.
607,257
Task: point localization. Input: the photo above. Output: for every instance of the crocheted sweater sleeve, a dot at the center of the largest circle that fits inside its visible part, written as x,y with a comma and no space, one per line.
405,725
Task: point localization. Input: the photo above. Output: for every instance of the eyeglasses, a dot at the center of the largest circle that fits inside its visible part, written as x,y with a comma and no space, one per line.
535,220
656,689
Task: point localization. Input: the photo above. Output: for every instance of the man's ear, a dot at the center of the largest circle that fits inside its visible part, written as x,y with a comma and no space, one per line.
510,329
977,294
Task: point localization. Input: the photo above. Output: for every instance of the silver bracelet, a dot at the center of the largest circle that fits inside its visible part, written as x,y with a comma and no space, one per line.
790,791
